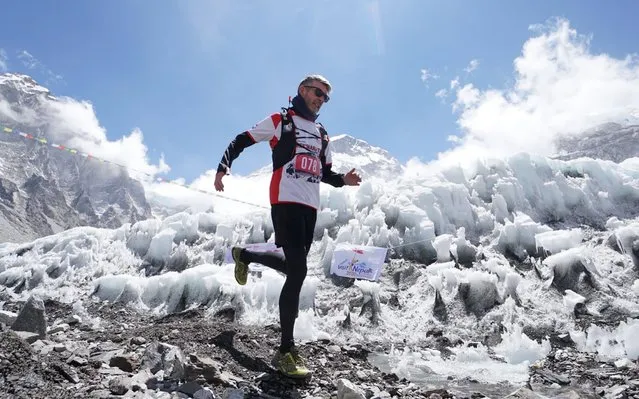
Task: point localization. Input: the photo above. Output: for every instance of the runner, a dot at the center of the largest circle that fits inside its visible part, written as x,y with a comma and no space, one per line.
301,156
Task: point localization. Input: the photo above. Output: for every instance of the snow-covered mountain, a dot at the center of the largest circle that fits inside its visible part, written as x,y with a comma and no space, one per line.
44,190
350,152
611,141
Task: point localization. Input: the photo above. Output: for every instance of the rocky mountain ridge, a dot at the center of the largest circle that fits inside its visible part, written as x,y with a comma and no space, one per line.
44,190
611,141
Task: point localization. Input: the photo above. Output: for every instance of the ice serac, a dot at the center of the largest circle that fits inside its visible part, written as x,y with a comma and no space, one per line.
44,190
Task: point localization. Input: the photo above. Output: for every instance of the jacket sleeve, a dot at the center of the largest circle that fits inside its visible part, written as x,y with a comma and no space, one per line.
328,175
266,129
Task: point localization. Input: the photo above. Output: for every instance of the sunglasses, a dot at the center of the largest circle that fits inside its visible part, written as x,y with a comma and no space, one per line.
319,93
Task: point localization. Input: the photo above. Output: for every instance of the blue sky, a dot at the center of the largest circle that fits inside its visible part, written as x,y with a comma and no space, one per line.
192,74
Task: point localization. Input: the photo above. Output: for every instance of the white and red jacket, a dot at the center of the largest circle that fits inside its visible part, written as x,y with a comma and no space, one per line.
299,164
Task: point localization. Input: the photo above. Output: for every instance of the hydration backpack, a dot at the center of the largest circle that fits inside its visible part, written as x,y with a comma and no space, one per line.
282,155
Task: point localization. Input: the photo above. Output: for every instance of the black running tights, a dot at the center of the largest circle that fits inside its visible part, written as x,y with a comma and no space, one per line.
293,265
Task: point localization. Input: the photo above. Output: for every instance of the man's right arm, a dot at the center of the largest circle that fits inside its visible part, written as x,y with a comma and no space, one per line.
234,149
266,129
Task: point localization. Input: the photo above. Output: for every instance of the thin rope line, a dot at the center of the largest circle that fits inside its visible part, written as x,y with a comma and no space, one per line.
407,244
44,141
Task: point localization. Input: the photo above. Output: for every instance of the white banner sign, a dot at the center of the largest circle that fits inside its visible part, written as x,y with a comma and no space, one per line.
358,261
256,247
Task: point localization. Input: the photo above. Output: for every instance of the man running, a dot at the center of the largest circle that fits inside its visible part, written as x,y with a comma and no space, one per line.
301,160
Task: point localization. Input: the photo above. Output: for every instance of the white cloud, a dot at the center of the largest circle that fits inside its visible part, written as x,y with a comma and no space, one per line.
472,65
560,87
467,97
3,60
27,59
31,62
453,139
17,114
74,124
441,94
426,75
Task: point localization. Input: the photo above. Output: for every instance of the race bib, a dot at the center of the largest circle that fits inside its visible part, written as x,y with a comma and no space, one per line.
307,164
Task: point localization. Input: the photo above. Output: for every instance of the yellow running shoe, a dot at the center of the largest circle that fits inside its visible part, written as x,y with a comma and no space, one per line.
290,364
241,268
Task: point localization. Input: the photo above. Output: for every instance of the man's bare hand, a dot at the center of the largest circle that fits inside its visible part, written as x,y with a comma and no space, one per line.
219,186
352,178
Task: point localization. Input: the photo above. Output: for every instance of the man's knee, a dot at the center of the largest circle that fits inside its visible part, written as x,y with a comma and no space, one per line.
298,271
301,273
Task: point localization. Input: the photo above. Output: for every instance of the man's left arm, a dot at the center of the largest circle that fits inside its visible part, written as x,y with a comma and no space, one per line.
333,178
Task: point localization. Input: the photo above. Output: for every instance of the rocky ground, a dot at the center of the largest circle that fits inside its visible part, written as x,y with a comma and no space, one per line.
107,351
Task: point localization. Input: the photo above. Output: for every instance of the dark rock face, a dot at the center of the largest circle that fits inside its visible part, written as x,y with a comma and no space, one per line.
32,318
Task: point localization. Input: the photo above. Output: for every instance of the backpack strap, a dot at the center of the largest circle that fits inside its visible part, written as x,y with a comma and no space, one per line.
287,121
288,125
324,134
